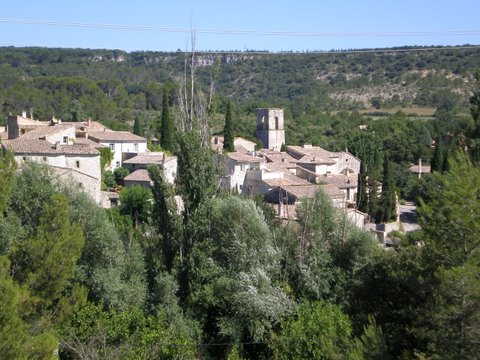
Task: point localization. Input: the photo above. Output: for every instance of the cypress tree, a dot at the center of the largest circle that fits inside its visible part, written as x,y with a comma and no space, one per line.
388,193
228,136
437,160
137,127
362,197
166,129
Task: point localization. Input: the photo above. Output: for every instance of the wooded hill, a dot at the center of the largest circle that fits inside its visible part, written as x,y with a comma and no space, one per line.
116,84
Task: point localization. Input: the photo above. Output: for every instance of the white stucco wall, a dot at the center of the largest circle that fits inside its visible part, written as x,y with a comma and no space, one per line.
59,136
123,147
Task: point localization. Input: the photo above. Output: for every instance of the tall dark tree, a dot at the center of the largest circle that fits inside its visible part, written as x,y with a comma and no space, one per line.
362,197
389,199
167,126
196,172
228,135
437,160
7,175
167,221
137,127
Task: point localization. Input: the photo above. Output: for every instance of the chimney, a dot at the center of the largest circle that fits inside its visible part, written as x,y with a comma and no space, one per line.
57,143
89,122
24,113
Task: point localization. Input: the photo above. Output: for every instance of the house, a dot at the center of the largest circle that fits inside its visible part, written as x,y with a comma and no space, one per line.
420,169
237,165
55,144
121,143
287,198
79,163
167,164
321,166
138,177
239,143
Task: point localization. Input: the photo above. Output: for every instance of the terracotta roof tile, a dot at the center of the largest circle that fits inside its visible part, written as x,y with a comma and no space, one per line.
115,136
138,175
20,146
42,131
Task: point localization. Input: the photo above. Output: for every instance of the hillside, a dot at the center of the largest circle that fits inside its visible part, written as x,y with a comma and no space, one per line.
326,81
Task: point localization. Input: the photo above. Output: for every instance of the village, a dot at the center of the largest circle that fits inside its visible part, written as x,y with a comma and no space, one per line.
282,178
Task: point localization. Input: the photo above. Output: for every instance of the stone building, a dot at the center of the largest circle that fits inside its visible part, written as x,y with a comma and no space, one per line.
270,128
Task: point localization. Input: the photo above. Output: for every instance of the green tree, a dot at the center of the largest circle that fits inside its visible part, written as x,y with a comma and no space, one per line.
17,339
137,127
389,198
7,176
128,334
120,173
453,314
228,135
362,197
135,202
75,111
196,172
167,129
318,331
111,268
438,157
232,267
166,218
35,262
451,217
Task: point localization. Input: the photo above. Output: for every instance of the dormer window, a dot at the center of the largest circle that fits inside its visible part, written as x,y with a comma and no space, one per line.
65,139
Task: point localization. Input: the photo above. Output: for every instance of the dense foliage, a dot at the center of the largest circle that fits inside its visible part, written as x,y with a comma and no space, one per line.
213,276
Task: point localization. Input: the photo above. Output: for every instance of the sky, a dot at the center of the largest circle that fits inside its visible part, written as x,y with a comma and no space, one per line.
295,25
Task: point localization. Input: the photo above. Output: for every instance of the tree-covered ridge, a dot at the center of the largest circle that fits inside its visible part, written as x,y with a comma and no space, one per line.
115,84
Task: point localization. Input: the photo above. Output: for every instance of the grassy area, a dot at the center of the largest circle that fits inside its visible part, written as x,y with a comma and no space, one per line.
419,111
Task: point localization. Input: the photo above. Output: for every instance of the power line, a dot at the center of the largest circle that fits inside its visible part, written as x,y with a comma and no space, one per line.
238,32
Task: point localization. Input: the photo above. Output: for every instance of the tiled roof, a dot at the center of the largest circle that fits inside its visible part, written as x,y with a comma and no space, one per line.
149,158
313,154
244,157
340,181
287,179
424,169
42,131
115,136
91,143
216,143
20,146
138,175
308,159
301,191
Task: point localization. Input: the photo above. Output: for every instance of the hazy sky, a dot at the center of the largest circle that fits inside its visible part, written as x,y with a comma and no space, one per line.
269,25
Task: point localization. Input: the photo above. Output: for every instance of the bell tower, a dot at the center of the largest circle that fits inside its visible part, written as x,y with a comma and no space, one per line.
270,128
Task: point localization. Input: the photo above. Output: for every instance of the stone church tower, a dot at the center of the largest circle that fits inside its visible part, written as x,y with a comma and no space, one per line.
270,128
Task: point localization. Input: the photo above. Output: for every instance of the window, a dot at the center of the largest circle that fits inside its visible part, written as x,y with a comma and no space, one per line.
118,164
44,159
276,123
112,146
77,163
65,139
24,158
135,147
